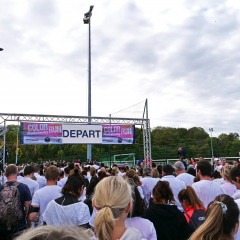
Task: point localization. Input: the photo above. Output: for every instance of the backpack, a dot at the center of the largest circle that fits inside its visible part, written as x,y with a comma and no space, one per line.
10,205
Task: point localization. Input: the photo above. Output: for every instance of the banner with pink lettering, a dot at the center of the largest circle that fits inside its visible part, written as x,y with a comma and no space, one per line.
118,134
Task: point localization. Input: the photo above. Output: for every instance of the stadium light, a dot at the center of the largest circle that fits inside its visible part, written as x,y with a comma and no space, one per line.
1,49
211,130
86,20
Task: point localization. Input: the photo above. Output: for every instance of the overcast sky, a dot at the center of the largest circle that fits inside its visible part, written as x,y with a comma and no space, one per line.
183,55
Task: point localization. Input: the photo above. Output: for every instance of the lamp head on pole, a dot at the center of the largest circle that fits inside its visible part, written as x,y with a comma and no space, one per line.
1,49
88,15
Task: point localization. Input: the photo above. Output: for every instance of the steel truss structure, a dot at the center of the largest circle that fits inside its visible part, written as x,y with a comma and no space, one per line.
5,117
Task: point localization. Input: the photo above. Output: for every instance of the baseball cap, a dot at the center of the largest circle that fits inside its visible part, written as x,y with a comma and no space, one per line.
180,145
217,159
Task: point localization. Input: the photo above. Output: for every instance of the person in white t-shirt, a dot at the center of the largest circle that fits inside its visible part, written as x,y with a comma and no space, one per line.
175,184
28,175
67,210
41,180
206,189
66,174
43,196
229,187
188,179
122,171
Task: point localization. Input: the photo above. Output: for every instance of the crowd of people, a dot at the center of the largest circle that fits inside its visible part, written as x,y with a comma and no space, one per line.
58,200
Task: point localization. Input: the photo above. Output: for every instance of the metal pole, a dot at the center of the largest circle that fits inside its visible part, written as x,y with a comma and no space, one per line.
110,144
4,145
17,147
211,146
89,146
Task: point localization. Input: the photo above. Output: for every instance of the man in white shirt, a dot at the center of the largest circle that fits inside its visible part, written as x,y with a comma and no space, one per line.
122,172
28,175
41,180
175,184
43,196
206,189
66,174
148,183
188,179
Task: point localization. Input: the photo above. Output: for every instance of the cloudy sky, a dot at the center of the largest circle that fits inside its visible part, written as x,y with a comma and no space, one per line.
183,55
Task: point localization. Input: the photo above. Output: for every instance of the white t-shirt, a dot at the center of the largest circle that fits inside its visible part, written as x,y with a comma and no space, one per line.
219,181
176,186
74,214
229,188
236,195
63,181
19,177
42,181
144,226
188,179
96,166
207,191
43,196
32,185
120,174
148,183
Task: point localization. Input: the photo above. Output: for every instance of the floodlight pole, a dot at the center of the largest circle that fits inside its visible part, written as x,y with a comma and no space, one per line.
87,20
17,143
211,130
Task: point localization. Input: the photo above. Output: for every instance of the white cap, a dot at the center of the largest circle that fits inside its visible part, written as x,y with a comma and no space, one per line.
216,159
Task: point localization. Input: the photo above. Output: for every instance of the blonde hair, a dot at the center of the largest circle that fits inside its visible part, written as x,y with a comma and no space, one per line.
227,170
112,196
54,233
115,171
155,173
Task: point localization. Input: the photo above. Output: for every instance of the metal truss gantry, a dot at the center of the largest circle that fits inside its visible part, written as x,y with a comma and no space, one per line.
5,117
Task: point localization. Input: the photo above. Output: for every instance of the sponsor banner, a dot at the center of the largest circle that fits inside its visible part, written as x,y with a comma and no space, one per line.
55,133
118,134
51,133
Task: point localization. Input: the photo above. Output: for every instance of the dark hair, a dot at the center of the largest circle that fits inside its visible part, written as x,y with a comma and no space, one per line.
236,160
61,174
235,173
215,174
71,166
214,155
28,170
153,165
102,165
205,167
196,179
74,182
168,169
138,206
162,191
101,175
193,159
92,171
219,226
84,172
67,170
62,164
159,168
123,168
91,187
181,157
140,171
192,171
36,168
188,194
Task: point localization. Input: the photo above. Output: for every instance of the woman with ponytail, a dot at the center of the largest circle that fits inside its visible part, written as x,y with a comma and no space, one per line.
113,201
168,220
222,220
67,210
193,207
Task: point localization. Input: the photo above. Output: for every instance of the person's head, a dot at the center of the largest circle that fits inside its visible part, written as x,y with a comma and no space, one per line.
193,160
123,169
181,146
224,161
91,187
131,174
37,169
142,164
192,171
113,200
155,173
226,172
74,184
214,156
11,171
167,170
115,171
93,172
101,175
179,167
51,232
140,171
29,171
188,197
67,171
153,165
235,176
222,220
201,158
61,174
159,168
181,158
204,169
216,174
51,173
235,162
147,171
162,193
189,161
